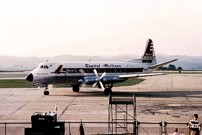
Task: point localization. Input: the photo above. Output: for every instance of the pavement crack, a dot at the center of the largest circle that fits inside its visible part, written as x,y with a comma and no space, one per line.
154,83
7,97
19,108
68,106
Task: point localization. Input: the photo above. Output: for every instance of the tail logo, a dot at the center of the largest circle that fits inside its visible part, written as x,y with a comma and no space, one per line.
149,48
149,54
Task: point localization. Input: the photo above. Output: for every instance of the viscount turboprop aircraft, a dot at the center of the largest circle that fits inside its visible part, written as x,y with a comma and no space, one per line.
100,73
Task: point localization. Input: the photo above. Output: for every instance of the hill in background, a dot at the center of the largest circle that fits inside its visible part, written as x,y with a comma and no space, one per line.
9,63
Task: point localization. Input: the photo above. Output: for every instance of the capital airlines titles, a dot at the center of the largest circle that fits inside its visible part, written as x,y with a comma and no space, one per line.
105,65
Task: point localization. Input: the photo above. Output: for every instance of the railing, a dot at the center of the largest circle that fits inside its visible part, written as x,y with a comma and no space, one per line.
182,128
93,128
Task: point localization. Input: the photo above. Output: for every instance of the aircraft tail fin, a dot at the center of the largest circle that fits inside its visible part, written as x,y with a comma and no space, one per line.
149,54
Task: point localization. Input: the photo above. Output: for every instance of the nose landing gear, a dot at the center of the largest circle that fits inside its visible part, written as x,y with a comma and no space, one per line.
46,92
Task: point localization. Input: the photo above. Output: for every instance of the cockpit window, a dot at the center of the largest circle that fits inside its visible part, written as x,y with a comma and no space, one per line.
44,66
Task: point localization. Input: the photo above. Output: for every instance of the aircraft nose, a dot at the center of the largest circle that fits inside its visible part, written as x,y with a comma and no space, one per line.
30,77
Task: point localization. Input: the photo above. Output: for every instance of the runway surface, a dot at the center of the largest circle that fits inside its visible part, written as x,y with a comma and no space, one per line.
172,97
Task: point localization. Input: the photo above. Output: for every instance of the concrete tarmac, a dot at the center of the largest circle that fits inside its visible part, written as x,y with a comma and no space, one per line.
173,98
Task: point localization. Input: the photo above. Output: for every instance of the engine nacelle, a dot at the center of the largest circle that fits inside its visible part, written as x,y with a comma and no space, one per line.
90,79
111,79
105,79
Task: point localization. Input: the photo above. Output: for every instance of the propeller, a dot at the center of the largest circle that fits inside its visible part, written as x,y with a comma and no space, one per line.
98,80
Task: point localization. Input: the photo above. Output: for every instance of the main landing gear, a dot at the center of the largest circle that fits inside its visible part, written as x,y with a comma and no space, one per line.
75,88
107,91
108,88
46,92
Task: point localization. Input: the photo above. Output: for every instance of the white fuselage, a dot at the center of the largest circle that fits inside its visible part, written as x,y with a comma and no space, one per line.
71,72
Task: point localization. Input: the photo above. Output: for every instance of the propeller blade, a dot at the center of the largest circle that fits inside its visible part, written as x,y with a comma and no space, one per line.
96,74
94,84
102,75
102,86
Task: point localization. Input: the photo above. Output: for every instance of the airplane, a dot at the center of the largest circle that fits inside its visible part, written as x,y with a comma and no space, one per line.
98,73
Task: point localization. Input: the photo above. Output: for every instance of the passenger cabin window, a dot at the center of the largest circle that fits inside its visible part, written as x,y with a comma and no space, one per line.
102,70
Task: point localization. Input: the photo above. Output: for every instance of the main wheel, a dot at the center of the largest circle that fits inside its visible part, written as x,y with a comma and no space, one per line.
107,91
76,88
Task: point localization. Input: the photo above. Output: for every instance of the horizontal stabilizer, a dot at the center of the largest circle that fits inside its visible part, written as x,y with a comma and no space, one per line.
156,66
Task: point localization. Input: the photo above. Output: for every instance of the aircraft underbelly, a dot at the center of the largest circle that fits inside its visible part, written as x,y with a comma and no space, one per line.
67,79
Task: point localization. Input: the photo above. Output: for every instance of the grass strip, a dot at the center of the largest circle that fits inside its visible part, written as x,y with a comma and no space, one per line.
25,84
15,84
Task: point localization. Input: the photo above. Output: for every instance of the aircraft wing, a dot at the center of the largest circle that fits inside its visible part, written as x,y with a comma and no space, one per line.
139,75
156,66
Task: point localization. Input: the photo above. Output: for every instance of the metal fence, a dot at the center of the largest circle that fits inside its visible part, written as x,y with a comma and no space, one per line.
150,128
182,128
95,128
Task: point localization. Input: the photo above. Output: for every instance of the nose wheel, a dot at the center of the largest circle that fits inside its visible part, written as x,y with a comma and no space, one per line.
46,92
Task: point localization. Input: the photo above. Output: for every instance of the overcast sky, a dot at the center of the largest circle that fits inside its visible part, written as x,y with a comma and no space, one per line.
100,27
